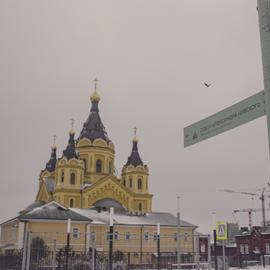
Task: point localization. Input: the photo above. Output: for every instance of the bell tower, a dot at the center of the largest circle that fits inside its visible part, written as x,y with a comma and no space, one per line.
94,146
69,176
135,178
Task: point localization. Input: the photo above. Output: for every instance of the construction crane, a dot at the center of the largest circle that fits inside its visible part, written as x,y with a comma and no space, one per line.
261,197
249,211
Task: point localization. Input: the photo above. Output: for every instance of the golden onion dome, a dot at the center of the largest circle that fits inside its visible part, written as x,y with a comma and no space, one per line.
72,131
95,97
54,146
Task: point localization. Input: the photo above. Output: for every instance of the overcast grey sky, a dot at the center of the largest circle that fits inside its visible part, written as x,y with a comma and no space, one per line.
151,58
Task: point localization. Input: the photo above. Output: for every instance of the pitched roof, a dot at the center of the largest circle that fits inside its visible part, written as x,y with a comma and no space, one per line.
32,206
134,158
50,165
53,211
70,151
93,127
122,217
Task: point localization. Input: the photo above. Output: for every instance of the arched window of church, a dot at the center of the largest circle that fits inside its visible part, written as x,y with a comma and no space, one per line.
71,203
72,178
130,182
140,206
62,177
139,183
124,182
85,165
98,166
110,167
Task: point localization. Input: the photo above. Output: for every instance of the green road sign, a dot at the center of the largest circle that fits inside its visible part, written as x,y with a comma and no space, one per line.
238,114
221,229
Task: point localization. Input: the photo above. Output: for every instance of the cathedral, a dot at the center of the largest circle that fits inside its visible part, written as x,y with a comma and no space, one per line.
81,185
84,175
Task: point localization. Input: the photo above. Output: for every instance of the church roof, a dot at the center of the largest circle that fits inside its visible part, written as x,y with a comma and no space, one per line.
93,127
123,217
32,206
50,165
134,158
70,151
53,211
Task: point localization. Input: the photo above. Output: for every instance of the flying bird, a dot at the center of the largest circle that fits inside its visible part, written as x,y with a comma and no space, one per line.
207,84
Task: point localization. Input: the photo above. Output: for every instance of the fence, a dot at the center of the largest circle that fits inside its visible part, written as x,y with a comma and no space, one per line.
54,251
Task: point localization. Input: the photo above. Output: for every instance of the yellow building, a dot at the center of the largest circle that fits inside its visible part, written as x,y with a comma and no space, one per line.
81,185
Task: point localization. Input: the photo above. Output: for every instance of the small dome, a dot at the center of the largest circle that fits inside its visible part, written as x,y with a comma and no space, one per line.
54,146
72,131
95,97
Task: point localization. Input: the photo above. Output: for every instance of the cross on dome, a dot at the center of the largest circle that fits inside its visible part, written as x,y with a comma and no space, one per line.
96,83
72,130
54,142
135,134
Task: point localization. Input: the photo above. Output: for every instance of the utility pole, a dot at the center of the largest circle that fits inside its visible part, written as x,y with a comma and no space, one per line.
215,239
68,242
158,246
263,208
111,238
178,235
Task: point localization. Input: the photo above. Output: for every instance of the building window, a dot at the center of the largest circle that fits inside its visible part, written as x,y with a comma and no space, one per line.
186,237
140,183
108,235
116,236
267,248
246,249
110,167
98,166
93,236
146,236
128,236
71,203
140,206
124,182
175,236
62,177
130,182
242,249
72,178
155,236
203,248
75,233
85,165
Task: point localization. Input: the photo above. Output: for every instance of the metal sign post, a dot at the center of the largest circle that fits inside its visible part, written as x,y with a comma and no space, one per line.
263,7
178,235
221,228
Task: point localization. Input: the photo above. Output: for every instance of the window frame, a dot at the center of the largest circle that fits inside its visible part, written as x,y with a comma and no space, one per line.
93,236
139,184
98,166
62,177
127,236
75,235
146,236
72,179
